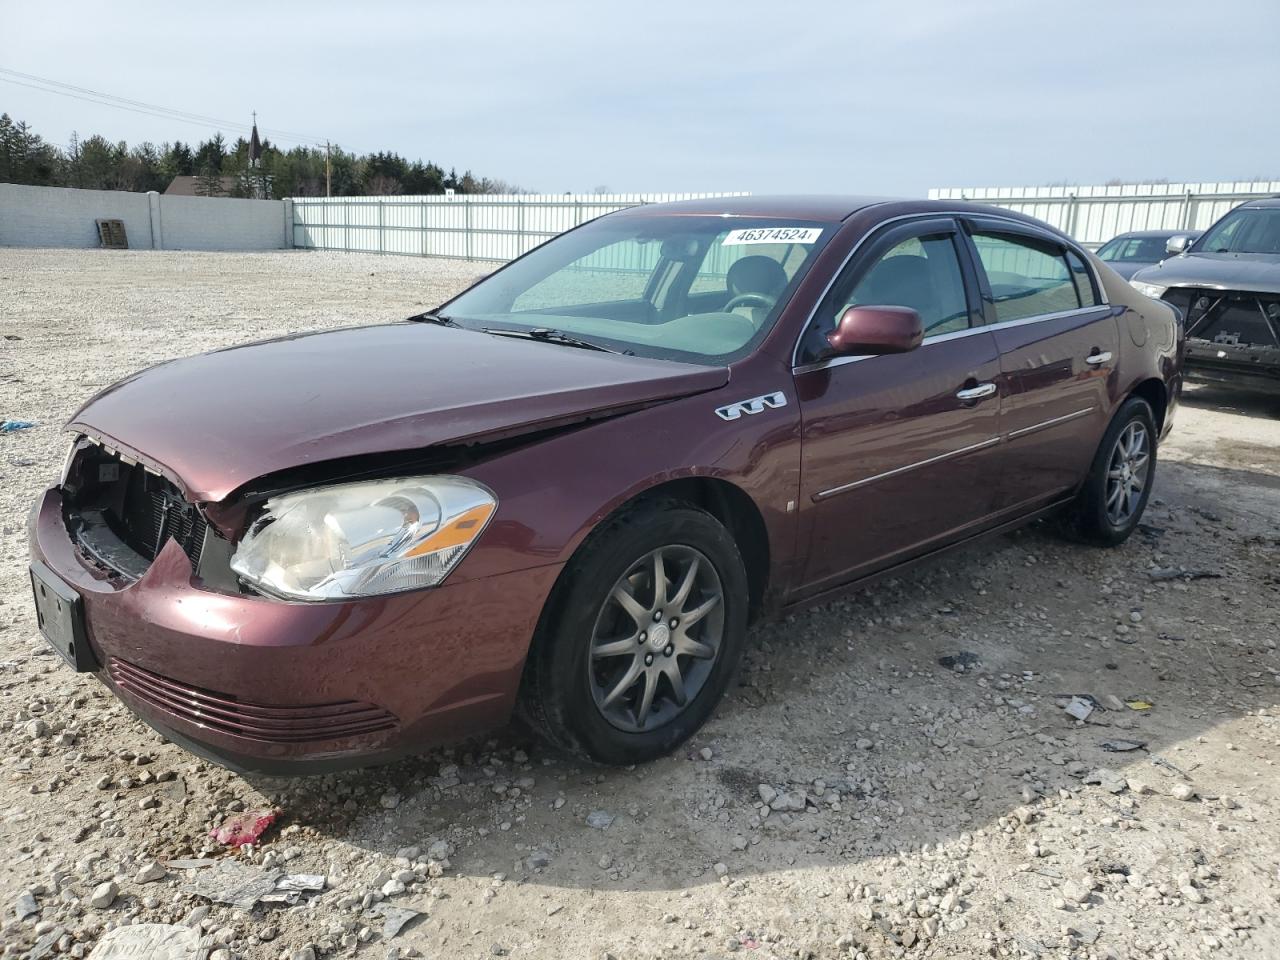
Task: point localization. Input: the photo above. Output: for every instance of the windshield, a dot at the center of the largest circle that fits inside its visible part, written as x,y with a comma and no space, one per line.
692,288
1244,230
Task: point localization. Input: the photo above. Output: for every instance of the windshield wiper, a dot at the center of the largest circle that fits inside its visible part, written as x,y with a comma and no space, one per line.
547,335
436,318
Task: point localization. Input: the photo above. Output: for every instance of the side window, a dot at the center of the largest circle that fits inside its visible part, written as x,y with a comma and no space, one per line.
922,273
1083,280
1027,278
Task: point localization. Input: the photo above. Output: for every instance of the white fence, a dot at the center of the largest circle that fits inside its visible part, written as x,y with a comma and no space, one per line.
1093,215
469,227
64,217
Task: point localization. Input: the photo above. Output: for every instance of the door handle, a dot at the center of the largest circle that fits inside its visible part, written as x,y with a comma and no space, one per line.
976,393
1098,359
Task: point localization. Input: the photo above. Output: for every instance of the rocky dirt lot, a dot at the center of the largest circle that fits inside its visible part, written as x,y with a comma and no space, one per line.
896,775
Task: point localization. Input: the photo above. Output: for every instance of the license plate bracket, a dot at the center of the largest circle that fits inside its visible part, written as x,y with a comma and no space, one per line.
60,614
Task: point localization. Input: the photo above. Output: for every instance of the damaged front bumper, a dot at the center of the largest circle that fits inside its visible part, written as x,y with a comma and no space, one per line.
1232,337
1233,365
279,687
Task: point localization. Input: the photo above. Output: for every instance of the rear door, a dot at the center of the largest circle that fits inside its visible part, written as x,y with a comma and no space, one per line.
1058,346
899,451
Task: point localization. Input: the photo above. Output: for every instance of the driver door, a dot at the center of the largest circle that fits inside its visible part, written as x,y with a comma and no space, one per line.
899,450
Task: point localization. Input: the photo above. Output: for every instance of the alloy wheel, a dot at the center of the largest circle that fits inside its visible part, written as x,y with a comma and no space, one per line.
656,638
1127,473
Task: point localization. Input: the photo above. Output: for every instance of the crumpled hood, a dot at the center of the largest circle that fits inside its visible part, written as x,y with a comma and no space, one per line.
216,421
1255,272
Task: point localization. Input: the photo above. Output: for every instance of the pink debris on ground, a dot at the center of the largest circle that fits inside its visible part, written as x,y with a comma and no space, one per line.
241,828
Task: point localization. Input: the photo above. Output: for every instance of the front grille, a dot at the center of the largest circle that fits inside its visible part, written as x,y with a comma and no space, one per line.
153,510
254,721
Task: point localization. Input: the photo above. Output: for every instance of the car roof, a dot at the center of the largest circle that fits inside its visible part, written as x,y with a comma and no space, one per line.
1155,233
1262,202
828,208
821,207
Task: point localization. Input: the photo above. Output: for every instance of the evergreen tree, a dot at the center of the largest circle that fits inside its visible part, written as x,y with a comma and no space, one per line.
98,163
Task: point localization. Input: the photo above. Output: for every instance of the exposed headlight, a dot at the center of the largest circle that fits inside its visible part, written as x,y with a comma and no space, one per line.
363,539
1152,290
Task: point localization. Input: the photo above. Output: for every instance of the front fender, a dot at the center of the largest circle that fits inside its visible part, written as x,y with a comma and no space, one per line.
553,493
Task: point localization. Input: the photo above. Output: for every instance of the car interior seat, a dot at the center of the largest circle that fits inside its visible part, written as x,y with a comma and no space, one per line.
902,281
759,275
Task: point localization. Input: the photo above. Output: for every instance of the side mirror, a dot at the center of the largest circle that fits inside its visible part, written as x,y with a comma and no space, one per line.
1176,245
876,330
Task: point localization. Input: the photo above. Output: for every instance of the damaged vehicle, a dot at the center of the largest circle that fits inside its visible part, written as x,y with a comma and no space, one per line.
1226,284
568,491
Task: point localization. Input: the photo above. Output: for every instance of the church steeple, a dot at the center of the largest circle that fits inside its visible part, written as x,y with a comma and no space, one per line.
255,145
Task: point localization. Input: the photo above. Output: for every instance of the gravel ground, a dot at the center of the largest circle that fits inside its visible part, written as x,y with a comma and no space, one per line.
852,798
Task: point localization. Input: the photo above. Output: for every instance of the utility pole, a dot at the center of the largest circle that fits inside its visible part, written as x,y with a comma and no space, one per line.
328,171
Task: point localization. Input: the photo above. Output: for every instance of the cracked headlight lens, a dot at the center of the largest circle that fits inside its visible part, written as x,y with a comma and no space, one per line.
1153,290
363,539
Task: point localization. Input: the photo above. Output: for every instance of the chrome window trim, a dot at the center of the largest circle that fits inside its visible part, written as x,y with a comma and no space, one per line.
954,335
972,448
1103,299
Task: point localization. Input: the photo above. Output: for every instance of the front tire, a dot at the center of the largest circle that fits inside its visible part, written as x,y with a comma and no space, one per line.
642,635
1110,503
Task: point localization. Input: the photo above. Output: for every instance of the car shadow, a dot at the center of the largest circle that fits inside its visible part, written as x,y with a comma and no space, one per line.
846,710
1224,399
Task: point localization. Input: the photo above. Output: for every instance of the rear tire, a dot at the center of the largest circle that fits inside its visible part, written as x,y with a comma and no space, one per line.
614,654
1109,505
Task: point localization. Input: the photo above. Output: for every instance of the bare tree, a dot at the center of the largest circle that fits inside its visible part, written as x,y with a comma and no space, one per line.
381,185
208,182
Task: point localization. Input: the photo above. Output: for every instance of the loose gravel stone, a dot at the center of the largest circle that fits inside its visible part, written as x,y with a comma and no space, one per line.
104,894
150,873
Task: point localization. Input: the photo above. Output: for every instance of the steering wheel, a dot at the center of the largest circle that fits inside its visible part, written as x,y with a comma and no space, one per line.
755,299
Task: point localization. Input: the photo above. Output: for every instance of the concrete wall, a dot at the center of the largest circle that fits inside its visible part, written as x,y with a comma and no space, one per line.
224,223
54,217
62,217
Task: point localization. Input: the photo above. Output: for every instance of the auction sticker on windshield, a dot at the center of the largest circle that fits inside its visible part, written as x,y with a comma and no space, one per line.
772,235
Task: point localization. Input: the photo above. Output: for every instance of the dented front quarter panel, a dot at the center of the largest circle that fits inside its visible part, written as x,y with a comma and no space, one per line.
554,493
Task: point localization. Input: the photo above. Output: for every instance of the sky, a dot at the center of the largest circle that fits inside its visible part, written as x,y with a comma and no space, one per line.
784,96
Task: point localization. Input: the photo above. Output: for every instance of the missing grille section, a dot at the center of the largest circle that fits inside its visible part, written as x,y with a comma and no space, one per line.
1229,317
115,508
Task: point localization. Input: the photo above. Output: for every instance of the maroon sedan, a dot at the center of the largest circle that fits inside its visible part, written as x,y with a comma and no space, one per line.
571,489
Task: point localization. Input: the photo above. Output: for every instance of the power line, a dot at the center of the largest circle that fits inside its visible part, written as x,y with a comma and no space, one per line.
88,95
149,113
107,99
148,106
